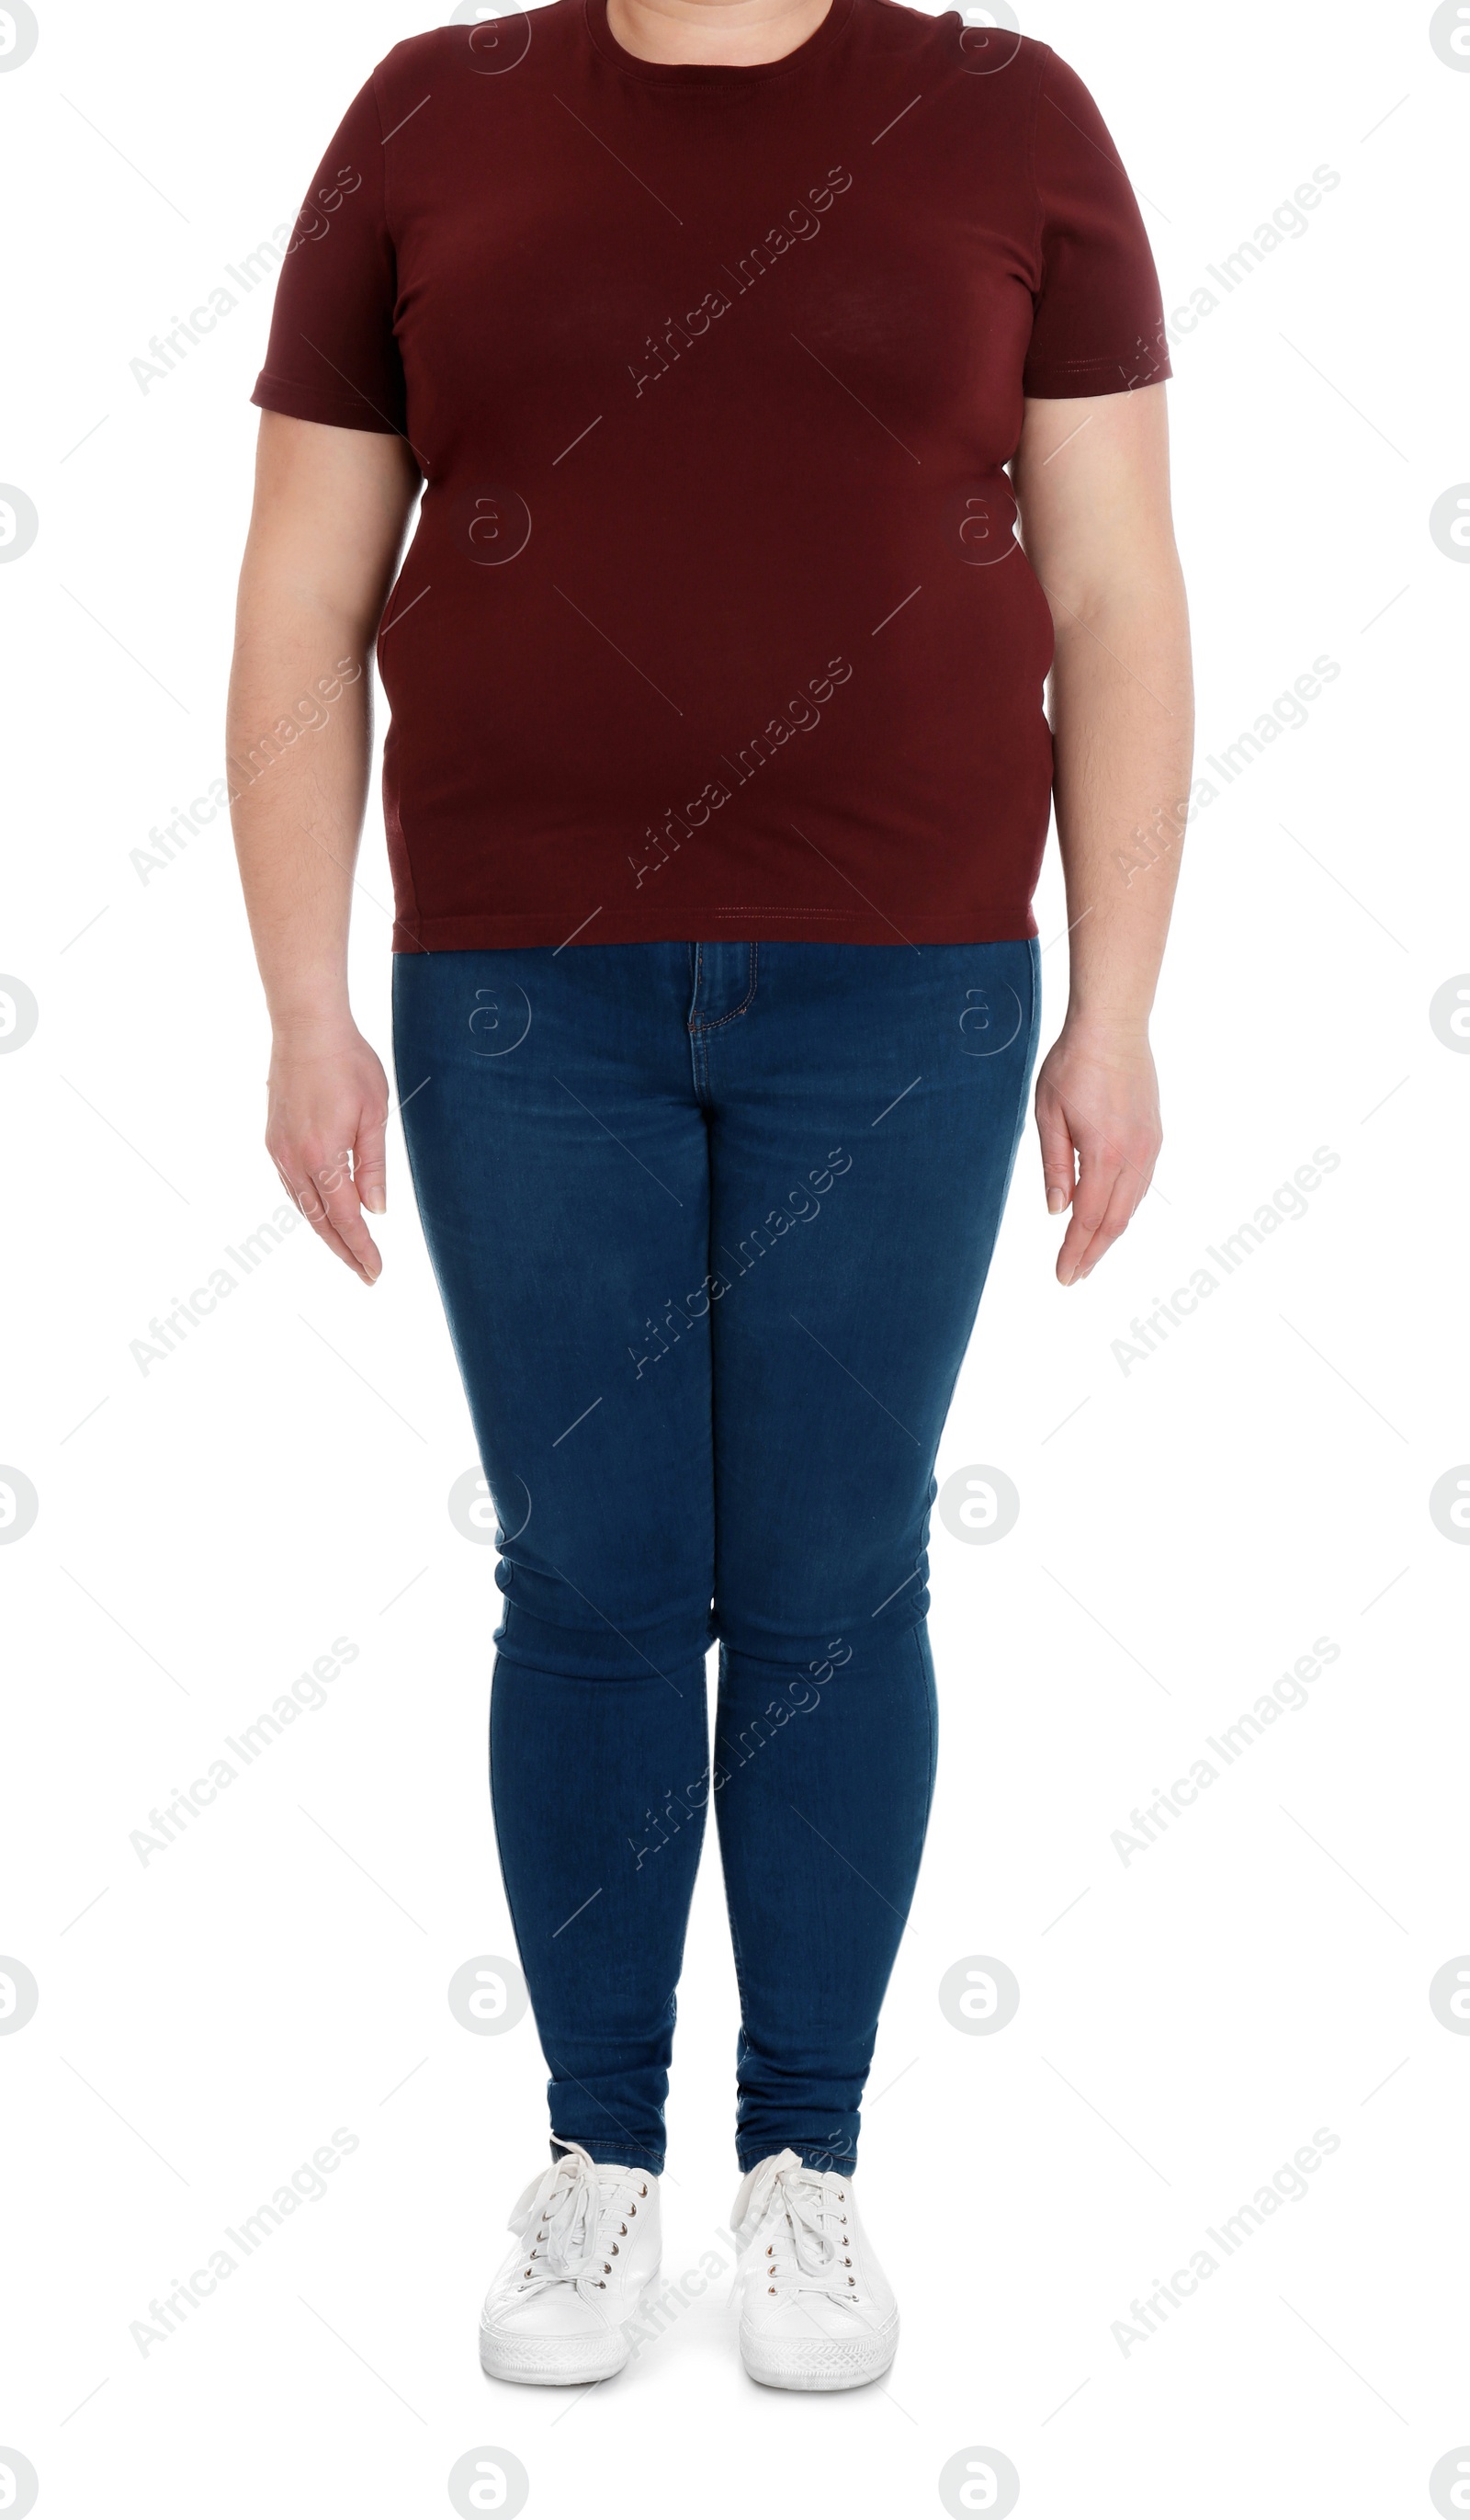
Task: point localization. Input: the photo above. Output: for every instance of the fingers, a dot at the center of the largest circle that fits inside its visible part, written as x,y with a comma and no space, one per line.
321,1184
324,1129
305,1194
1058,1167
1097,1111
1106,1197
333,1193
1096,1186
370,1163
1112,1181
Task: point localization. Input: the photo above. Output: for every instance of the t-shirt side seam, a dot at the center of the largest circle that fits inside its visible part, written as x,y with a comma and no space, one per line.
415,918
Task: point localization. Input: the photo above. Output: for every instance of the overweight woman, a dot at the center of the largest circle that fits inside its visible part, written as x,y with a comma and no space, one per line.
711,348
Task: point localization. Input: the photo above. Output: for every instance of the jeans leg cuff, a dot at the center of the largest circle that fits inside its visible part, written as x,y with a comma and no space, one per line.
599,2149
815,2156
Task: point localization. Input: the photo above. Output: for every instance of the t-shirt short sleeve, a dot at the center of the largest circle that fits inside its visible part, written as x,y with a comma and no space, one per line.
331,355
1098,325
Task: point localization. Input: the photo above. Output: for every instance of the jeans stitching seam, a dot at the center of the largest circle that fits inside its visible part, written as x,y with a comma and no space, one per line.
713,1023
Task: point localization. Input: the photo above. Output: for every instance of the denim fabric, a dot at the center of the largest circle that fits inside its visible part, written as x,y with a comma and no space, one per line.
711,1223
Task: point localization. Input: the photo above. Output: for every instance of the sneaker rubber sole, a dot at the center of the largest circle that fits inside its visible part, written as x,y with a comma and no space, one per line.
561,2362
820,2363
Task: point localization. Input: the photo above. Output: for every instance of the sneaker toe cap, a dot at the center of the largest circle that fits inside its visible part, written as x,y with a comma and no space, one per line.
549,2340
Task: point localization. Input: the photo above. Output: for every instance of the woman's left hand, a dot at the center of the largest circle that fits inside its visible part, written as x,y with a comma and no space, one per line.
1096,1095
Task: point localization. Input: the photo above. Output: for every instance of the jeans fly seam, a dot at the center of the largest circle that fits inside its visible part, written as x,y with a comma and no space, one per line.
712,1023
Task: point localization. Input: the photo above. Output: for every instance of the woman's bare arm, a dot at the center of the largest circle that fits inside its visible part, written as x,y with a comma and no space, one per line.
1092,481
330,508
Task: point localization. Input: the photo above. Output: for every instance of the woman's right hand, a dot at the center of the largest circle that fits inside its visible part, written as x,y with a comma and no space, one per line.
325,1132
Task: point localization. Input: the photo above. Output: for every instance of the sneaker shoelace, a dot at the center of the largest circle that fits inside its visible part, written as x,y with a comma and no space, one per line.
800,2241
574,2224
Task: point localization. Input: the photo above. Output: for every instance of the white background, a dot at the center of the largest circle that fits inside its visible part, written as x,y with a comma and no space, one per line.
1188,1528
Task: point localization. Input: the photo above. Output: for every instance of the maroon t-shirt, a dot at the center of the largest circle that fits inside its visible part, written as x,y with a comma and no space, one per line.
713,623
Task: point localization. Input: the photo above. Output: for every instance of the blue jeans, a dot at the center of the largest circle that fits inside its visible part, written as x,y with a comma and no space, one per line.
710,1223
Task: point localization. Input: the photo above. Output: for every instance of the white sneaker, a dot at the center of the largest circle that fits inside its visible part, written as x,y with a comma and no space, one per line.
588,2249
815,2309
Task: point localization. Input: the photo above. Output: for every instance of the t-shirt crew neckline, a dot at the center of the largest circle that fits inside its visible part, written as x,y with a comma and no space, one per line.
715,75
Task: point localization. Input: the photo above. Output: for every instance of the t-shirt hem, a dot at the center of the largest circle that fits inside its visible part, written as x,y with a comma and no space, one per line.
480,934
330,411
1084,376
